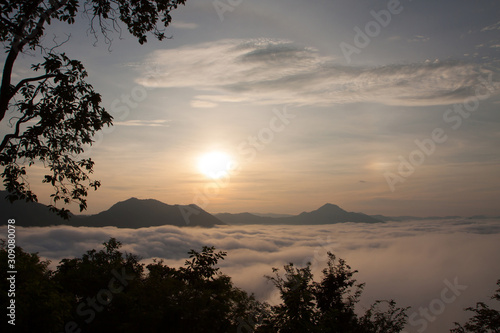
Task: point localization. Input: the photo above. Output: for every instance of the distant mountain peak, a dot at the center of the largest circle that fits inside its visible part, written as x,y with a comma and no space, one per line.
136,213
329,207
132,199
326,214
130,213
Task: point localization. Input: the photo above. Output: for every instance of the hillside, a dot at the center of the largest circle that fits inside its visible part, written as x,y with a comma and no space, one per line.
131,213
327,214
136,213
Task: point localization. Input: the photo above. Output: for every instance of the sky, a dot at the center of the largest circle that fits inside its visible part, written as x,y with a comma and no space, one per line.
438,267
381,107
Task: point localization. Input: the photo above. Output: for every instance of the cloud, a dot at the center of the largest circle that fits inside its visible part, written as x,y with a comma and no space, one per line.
143,123
274,71
202,104
406,261
184,25
492,27
419,38
394,38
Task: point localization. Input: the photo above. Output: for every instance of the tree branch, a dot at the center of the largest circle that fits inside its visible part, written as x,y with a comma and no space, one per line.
26,117
7,22
15,135
23,81
18,44
6,77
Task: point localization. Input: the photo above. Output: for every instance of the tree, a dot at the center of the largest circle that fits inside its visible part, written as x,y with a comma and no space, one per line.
109,291
102,285
485,319
297,312
329,305
37,296
55,112
193,298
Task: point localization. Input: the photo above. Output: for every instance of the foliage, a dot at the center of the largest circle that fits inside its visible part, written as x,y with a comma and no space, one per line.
109,291
485,319
53,114
37,296
329,305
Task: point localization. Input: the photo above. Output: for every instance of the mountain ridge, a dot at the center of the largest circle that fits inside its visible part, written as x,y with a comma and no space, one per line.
326,214
131,213
138,213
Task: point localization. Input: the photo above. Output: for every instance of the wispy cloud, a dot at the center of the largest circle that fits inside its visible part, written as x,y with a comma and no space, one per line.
419,38
197,103
271,71
492,27
143,123
184,25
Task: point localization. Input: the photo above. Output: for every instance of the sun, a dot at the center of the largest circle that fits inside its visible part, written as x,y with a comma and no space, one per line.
215,164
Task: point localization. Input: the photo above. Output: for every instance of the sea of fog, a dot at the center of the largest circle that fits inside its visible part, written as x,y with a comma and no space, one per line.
438,267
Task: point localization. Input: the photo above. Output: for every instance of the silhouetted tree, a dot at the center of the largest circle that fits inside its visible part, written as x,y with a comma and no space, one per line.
98,283
55,112
485,319
329,305
297,312
40,303
110,291
194,298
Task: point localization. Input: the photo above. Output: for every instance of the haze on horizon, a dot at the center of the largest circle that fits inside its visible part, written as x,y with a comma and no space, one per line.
381,107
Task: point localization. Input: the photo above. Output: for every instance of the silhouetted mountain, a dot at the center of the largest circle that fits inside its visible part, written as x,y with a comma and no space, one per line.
244,218
131,213
385,218
136,213
413,218
327,214
272,215
482,217
29,214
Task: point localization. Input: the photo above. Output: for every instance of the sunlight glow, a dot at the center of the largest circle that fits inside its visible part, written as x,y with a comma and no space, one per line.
215,164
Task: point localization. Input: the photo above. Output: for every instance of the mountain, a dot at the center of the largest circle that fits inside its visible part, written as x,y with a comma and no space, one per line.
415,218
272,215
131,213
245,218
29,214
327,214
136,213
